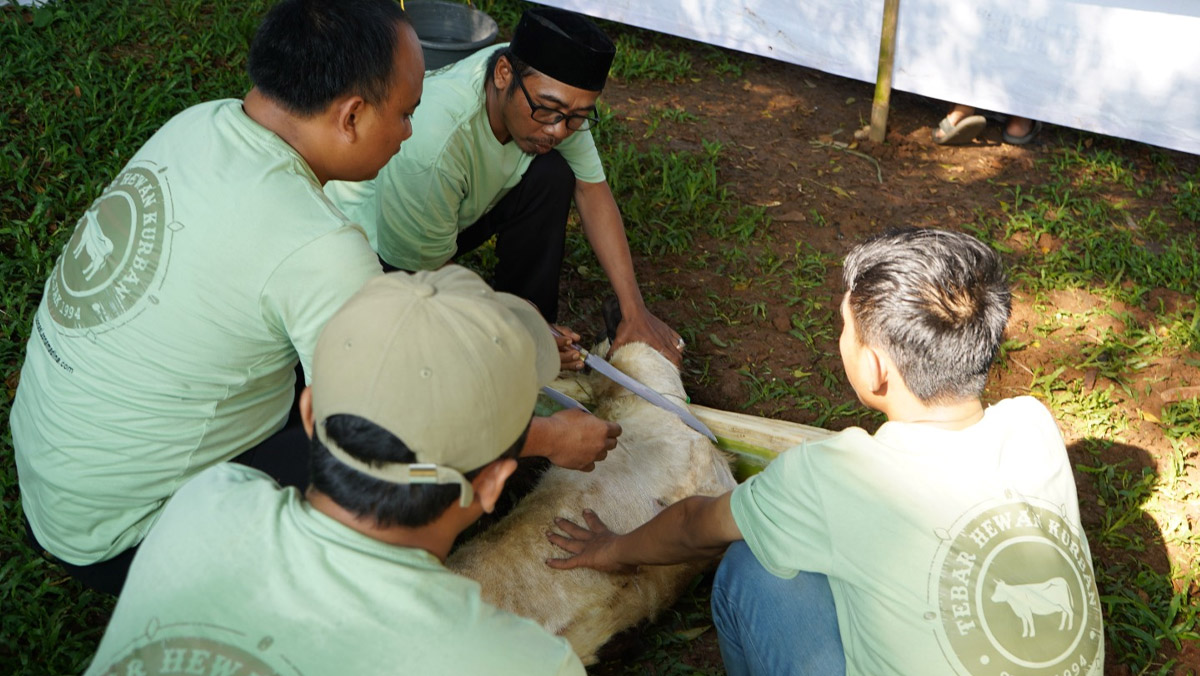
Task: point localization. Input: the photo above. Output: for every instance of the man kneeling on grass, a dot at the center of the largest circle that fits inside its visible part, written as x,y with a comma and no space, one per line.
949,542
421,398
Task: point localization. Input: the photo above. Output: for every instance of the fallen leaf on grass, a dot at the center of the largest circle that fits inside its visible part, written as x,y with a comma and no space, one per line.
712,337
1179,394
1149,417
690,634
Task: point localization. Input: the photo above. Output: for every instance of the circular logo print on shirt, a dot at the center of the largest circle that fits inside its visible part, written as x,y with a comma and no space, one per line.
116,254
174,649
1016,593
189,656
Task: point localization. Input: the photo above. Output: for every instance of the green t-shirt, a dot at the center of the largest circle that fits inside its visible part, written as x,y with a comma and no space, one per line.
449,174
241,571
948,552
170,326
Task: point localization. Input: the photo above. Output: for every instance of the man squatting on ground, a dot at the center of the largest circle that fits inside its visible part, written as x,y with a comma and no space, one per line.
169,329
422,392
501,146
949,542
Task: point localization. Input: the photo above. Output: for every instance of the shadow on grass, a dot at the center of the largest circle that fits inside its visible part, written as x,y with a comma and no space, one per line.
1150,615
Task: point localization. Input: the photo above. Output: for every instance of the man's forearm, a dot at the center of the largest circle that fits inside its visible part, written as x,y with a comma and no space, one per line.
539,438
605,232
692,529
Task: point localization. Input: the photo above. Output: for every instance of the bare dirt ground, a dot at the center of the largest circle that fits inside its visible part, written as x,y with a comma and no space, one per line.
779,125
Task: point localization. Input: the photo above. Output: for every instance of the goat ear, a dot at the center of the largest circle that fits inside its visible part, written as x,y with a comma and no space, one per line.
489,483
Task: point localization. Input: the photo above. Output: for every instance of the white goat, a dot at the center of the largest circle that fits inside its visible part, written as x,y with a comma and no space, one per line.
658,461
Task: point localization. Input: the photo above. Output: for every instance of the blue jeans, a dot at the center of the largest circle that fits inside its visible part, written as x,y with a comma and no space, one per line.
770,626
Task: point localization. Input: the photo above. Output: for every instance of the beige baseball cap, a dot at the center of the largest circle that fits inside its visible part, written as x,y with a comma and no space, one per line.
440,360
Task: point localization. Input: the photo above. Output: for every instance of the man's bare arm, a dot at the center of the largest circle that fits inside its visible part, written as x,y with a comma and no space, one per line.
692,529
605,231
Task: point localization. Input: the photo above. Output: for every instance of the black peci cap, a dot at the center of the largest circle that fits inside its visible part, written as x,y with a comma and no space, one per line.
565,46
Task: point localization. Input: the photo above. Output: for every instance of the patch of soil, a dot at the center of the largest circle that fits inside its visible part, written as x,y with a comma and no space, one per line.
786,131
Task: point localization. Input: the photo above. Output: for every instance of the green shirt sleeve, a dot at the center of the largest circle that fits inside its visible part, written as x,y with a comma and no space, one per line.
781,516
419,213
584,159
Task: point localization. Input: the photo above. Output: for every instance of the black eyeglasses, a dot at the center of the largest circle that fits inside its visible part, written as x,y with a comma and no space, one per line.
546,115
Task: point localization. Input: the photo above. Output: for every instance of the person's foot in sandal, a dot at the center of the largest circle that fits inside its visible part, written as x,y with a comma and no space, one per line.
1021,130
960,126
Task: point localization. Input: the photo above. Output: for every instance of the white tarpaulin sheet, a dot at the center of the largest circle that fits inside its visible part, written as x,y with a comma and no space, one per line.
1127,68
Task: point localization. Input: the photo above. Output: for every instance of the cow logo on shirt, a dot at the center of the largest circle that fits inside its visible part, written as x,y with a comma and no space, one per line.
117,255
169,650
1016,593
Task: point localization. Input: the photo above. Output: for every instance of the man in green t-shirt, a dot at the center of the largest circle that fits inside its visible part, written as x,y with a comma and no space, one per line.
502,147
422,394
171,325
948,542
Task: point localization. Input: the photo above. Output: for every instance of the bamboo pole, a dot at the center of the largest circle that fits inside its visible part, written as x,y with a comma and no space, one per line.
883,79
754,440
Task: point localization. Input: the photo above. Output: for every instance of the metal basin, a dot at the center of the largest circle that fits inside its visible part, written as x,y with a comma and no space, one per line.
449,31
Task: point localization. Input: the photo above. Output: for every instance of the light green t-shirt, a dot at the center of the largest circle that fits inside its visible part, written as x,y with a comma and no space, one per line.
948,552
241,571
449,174
170,326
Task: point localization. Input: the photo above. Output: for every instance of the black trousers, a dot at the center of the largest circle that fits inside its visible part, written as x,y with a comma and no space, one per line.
530,224
283,455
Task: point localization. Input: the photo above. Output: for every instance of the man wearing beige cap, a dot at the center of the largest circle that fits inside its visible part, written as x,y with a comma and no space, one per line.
422,394
502,147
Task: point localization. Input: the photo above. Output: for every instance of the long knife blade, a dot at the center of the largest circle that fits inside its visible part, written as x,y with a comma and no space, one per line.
628,382
564,400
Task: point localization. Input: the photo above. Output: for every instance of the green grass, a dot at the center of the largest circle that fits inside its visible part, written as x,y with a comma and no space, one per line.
1187,199
634,61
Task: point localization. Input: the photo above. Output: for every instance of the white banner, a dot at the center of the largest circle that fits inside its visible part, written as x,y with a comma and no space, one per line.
1127,68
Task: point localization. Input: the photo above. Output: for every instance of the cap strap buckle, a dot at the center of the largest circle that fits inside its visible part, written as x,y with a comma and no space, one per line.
406,473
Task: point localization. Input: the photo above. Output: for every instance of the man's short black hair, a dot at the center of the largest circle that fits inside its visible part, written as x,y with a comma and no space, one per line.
307,53
389,504
937,302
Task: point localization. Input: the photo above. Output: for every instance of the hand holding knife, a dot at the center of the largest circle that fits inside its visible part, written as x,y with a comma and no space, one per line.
619,377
